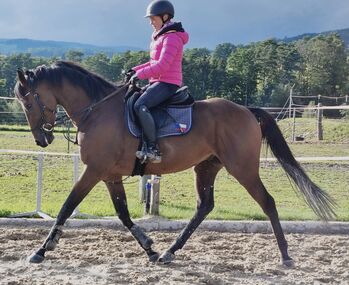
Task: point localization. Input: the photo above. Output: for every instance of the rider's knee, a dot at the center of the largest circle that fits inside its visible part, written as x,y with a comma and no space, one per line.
140,108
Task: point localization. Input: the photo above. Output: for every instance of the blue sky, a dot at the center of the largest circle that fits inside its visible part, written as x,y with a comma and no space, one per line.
121,22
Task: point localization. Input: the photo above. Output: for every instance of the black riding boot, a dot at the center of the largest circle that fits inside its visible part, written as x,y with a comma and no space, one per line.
148,125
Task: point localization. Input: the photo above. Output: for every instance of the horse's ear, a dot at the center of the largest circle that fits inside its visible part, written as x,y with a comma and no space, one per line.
21,77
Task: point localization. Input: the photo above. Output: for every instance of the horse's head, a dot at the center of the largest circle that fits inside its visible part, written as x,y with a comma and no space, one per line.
39,106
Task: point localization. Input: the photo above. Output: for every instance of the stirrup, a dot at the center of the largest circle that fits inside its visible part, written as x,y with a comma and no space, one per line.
142,156
154,155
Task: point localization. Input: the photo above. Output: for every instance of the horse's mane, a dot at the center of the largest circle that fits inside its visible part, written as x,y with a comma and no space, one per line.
95,86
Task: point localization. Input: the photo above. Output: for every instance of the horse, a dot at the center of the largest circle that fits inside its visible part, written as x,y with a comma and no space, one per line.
223,134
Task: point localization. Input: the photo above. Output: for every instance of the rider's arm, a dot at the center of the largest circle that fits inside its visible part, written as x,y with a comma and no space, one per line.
138,67
171,44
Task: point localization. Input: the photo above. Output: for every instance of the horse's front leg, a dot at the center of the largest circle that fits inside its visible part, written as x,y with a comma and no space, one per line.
118,196
206,173
82,187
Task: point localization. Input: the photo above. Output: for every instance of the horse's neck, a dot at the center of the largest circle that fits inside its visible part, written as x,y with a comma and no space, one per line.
74,101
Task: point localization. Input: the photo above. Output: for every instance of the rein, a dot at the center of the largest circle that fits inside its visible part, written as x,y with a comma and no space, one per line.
86,111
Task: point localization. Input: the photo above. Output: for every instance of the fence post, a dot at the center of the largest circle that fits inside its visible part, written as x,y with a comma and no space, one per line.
142,187
294,125
155,195
319,122
39,181
76,211
291,101
38,193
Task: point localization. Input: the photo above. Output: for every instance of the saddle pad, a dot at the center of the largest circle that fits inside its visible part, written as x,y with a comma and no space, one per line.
169,121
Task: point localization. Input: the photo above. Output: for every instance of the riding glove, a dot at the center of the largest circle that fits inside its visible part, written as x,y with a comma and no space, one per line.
133,79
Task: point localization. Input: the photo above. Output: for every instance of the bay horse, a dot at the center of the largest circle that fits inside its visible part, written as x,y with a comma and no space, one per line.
223,134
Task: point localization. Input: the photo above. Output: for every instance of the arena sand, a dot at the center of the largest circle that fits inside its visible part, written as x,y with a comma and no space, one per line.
106,256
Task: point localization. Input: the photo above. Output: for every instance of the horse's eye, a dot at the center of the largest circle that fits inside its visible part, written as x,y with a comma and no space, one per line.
28,106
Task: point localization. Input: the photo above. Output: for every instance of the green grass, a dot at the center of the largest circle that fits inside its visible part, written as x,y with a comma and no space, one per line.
334,130
177,196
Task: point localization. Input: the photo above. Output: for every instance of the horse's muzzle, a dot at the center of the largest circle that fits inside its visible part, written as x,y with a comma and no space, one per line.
44,139
42,144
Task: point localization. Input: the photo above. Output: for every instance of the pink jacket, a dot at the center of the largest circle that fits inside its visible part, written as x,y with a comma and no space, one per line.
166,52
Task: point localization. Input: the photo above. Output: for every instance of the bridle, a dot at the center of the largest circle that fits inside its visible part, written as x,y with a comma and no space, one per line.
43,124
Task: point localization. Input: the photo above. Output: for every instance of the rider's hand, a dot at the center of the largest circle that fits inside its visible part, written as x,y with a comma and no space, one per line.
130,72
133,79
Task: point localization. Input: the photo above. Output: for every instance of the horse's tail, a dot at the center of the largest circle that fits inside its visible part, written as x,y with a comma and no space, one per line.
320,201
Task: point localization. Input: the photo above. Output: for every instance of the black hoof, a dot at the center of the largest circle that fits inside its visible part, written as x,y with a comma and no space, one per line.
166,258
36,258
154,257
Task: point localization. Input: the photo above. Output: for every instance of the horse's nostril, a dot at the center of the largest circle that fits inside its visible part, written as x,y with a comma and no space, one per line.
37,142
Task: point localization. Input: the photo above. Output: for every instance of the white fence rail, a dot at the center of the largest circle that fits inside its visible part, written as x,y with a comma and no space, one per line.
39,180
149,186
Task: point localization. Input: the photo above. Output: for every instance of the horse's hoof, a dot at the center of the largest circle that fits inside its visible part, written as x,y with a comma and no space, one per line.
36,258
289,263
166,257
154,257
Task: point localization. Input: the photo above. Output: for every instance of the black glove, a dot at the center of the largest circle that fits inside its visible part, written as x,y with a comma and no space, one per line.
133,79
128,74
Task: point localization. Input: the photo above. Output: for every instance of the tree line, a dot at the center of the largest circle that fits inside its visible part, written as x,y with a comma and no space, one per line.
260,73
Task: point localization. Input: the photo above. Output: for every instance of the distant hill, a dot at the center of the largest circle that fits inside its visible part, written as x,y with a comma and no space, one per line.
58,48
343,33
55,48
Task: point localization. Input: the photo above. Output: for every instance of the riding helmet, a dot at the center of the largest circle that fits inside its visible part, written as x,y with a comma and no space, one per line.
160,8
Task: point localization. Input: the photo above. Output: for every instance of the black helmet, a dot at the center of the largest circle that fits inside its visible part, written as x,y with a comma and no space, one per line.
160,8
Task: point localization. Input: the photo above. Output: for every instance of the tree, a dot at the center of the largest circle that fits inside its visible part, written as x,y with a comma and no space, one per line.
100,64
218,77
125,61
223,51
243,73
9,66
74,55
325,68
196,68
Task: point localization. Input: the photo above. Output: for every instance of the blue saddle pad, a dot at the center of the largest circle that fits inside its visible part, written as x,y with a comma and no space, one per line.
169,121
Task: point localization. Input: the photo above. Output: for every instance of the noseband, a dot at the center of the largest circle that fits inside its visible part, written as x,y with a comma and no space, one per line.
43,124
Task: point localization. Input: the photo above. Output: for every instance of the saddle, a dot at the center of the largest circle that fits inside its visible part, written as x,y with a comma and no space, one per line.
172,118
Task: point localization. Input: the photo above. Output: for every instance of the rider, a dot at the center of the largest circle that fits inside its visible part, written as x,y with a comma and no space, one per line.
164,70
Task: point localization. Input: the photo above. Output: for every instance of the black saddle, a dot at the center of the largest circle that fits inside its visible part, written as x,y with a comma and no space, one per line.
180,99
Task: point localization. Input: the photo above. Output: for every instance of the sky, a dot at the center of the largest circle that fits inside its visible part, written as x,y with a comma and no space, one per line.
209,22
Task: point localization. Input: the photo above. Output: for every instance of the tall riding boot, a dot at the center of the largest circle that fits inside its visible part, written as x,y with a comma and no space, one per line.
148,126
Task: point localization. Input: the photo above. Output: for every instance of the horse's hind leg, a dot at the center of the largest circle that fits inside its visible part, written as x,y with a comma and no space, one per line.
118,196
206,173
86,182
256,189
